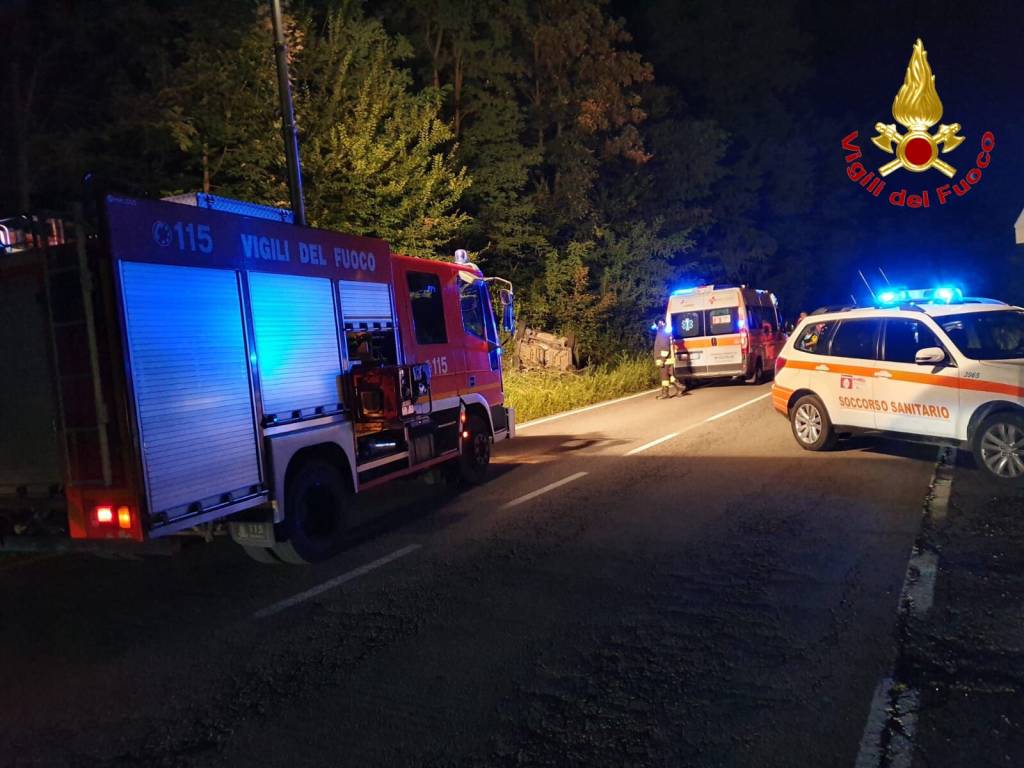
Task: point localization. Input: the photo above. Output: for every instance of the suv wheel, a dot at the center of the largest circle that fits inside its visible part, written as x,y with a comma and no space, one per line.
811,425
999,447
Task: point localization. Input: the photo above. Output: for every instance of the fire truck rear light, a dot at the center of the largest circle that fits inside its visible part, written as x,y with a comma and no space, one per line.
780,363
104,515
124,517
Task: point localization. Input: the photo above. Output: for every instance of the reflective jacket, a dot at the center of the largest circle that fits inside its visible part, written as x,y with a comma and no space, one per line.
662,344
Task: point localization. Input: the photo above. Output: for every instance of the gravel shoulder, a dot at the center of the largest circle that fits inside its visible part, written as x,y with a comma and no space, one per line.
966,656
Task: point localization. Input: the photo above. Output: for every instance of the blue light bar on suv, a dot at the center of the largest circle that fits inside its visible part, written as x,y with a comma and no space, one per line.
941,295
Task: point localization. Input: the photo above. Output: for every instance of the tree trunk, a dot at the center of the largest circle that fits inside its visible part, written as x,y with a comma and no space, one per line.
206,168
21,118
457,75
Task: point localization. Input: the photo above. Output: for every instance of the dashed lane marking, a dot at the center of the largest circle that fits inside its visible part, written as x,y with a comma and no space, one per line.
651,444
337,581
541,491
736,408
708,420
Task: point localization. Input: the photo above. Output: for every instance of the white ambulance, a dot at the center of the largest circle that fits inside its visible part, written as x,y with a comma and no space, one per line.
930,366
724,332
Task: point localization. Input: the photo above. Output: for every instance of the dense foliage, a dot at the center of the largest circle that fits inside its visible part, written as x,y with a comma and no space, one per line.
531,132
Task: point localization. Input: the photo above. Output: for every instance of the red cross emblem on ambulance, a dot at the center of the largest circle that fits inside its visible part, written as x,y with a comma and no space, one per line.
846,382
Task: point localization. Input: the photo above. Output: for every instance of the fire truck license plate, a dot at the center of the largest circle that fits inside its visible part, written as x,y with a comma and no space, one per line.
253,534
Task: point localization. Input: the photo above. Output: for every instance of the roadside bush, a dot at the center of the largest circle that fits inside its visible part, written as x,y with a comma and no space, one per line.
541,393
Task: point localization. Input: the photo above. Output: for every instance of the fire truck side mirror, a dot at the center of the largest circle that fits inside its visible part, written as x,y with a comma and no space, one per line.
508,311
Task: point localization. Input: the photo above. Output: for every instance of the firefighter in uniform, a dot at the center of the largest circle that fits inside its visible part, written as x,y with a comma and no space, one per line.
666,365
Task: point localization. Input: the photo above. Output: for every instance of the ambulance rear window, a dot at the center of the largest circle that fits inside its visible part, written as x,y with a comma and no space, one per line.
686,325
722,320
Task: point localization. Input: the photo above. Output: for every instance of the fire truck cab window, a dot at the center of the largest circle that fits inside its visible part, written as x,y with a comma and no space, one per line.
427,308
471,300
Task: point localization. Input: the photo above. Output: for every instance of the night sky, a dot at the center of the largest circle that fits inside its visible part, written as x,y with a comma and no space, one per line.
857,54
978,61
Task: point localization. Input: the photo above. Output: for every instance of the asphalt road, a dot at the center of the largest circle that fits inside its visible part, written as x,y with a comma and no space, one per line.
647,583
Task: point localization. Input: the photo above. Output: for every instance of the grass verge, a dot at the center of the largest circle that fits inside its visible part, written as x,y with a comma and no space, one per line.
535,394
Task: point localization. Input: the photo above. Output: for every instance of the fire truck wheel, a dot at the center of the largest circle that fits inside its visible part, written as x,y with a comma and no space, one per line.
811,425
314,521
262,555
476,452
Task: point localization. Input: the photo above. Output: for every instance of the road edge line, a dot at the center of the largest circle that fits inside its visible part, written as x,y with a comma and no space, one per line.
888,738
583,409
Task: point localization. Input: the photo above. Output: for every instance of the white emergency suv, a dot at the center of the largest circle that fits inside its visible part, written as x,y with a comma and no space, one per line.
723,332
927,366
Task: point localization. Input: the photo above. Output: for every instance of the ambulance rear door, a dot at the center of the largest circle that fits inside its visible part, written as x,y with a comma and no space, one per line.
723,350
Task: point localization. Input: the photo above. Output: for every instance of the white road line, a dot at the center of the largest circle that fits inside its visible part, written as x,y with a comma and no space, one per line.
919,583
892,720
541,491
895,717
741,405
546,419
337,581
709,419
942,486
870,753
653,443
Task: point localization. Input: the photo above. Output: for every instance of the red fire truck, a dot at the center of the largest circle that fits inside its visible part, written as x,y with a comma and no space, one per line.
191,369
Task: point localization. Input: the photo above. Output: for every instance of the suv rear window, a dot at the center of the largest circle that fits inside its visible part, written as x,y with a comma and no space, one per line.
814,337
856,338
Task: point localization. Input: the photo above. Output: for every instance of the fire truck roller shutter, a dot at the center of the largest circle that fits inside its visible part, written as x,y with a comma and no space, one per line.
186,344
296,344
367,310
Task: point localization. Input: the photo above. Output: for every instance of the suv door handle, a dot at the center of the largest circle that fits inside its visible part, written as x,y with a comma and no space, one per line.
822,368
883,375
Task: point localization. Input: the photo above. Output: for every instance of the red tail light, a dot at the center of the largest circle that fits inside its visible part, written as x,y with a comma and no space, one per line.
744,339
103,515
780,363
106,516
